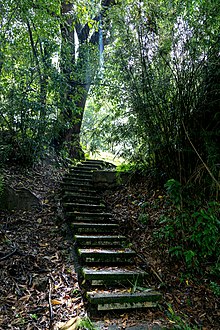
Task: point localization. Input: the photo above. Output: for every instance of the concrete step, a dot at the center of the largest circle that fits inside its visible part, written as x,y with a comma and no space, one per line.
79,175
93,162
85,207
100,240
74,180
83,193
88,221
120,300
93,228
81,198
106,256
113,276
91,167
89,216
78,187
103,164
98,245
80,171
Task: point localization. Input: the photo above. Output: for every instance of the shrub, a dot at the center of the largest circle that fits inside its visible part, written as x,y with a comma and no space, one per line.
192,234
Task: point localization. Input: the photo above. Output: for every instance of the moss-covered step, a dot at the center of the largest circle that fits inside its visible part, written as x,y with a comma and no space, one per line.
106,256
74,179
92,167
81,197
80,171
95,161
89,216
104,164
93,228
113,276
79,175
83,206
100,240
80,191
78,187
122,300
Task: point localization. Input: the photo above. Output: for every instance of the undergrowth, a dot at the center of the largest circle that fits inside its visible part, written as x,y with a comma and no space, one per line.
1,186
191,230
178,321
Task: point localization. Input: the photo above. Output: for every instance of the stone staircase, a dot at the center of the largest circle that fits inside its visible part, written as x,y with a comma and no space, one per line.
107,267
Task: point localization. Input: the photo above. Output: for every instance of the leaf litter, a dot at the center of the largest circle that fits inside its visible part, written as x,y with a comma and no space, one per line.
188,300
39,287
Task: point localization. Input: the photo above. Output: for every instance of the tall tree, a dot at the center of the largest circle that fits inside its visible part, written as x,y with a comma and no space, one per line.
26,67
80,52
159,68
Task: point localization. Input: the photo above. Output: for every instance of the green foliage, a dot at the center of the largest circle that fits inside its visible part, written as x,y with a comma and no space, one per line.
44,81
143,218
1,186
26,80
124,168
173,189
215,288
179,321
86,323
192,235
34,316
205,236
160,82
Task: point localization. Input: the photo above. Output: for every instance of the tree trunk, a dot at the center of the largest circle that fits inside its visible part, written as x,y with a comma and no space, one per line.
78,74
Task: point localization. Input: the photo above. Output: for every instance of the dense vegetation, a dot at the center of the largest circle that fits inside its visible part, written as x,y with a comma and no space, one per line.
151,71
47,63
159,103
161,84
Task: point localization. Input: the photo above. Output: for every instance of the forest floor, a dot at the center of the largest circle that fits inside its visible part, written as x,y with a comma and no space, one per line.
39,288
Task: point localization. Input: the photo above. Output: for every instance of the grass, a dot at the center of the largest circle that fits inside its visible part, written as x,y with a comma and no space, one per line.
106,156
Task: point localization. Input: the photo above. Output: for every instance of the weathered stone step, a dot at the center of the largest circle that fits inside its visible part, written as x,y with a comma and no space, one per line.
86,207
90,167
98,221
81,197
78,187
107,256
103,164
80,191
122,300
73,180
89,216
100,240
85,227
78,175
94,161
98,244
80,171
113,276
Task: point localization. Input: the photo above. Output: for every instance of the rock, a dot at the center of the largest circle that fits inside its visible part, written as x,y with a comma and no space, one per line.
40,283
19,199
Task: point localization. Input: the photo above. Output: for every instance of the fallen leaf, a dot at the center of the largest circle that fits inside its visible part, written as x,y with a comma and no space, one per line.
25,298
106,322
71,324
56,302
43,244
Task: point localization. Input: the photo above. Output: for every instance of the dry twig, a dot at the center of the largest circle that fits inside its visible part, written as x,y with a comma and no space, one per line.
50,303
